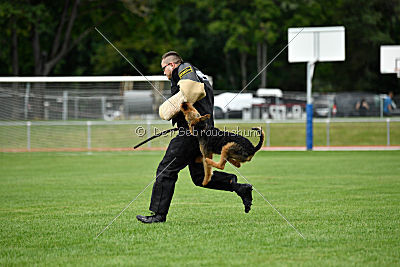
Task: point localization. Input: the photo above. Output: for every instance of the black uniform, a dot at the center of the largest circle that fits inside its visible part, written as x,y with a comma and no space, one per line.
184,148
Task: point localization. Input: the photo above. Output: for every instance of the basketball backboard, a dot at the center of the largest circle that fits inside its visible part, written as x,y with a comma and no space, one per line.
316,44
390,59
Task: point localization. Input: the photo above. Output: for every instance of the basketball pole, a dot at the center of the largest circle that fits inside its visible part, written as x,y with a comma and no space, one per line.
315,44
309,107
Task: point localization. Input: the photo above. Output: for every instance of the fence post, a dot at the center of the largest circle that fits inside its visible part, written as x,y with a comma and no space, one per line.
76,107
26,102
328,132
268,133
388,131
89,135
103,106
65,105
148,132
28,135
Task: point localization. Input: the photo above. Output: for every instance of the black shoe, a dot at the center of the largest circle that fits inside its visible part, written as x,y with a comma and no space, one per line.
244,191
156,218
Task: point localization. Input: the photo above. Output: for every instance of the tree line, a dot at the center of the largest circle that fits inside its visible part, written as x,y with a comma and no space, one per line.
231,40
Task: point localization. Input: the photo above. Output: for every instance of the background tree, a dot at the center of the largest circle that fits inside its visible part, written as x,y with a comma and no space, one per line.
230,40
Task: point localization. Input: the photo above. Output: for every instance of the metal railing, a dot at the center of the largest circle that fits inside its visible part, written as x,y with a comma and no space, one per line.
10,130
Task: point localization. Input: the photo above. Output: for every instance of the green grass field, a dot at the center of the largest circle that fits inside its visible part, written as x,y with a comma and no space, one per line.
346,204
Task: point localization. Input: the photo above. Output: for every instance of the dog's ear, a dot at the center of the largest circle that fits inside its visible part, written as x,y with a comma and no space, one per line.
205,117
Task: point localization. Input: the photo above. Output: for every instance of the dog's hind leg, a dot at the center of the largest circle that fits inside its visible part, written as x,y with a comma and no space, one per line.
207,171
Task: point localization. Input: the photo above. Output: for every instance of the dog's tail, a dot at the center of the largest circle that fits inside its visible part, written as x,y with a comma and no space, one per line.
261,142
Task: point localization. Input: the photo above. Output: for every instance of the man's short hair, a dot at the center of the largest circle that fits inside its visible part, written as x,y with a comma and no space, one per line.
172,56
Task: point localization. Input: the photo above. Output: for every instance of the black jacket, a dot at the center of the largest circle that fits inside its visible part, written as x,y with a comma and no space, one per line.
204,105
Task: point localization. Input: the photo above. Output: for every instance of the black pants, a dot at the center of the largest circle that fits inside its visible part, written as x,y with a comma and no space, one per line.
182,151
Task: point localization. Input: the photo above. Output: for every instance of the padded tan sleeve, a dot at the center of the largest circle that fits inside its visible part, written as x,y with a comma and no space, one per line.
190,91
193,91
171,107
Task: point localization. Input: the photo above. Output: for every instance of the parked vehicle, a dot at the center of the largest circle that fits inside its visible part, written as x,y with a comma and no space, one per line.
324,106
231,105
138,102
218,113
271,95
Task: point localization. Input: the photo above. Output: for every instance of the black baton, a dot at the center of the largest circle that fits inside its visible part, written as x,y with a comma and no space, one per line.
155,136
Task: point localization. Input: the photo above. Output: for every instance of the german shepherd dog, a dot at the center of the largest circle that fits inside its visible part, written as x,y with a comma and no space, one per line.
232,147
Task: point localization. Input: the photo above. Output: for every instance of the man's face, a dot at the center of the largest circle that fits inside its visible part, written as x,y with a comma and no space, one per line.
168,68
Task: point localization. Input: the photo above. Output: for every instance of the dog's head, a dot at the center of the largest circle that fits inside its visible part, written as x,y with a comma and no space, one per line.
192,116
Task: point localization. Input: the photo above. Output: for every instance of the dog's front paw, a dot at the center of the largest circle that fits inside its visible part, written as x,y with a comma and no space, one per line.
205,182
236,164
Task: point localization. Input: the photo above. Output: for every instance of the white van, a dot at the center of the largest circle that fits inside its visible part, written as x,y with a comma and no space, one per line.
231,105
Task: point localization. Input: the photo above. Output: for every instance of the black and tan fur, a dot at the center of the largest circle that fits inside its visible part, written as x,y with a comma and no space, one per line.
232,147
